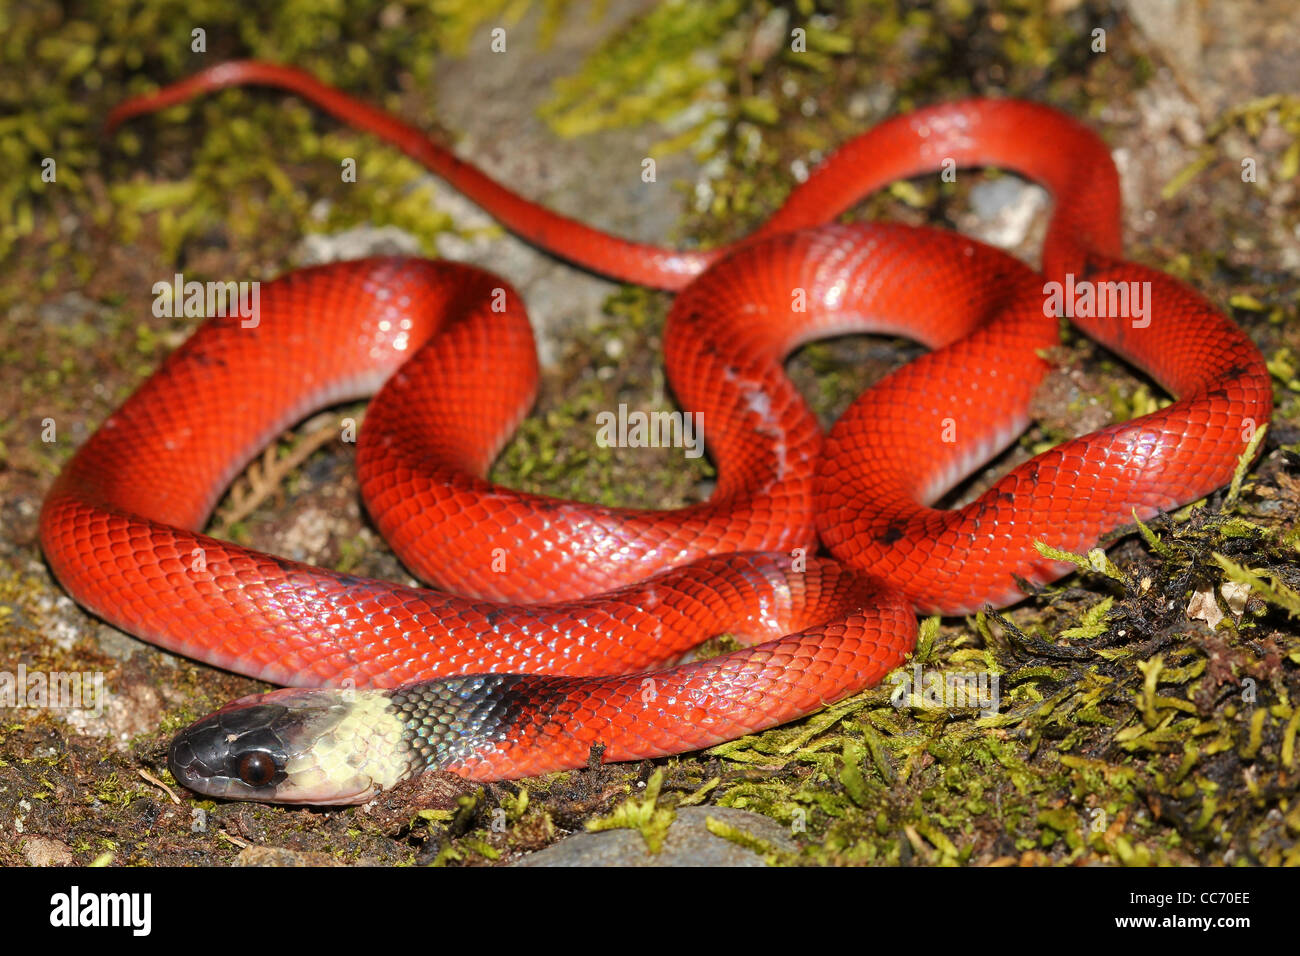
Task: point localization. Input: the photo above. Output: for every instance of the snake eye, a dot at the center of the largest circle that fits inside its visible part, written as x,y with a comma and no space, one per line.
256,768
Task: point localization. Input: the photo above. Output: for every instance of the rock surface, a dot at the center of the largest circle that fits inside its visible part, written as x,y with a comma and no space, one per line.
689,843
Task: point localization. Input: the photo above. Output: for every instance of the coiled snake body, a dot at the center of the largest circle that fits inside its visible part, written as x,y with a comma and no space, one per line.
570,649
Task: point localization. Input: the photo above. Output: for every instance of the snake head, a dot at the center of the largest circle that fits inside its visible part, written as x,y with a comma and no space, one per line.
320,747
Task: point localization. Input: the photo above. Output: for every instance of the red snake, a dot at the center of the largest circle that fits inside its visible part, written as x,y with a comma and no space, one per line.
453,351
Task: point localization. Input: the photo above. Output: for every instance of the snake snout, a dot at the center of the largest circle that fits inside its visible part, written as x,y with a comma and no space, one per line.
240,752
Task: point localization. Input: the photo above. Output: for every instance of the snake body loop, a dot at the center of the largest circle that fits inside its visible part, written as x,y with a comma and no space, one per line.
570,649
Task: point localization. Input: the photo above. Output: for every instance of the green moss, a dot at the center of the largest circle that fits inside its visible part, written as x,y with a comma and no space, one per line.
643,814
61,69
1251,118
655,72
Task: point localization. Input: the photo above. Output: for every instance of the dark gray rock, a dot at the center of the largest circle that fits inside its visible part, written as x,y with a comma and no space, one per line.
689,843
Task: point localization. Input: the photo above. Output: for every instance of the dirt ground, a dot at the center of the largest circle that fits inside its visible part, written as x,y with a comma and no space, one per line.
1132,729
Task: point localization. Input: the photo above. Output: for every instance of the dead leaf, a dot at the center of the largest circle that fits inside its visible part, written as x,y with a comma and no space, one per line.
1203,607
